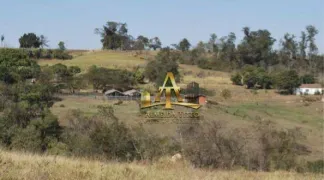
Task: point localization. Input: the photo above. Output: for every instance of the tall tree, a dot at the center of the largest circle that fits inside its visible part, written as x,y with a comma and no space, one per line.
212,47
155,43
184,45
2,39
43,41
256,48
61,46
141,43
114,35
303,45
227,48
289,50
312,47
29,40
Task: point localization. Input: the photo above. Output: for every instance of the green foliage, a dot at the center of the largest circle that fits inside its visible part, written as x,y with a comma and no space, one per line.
101,77
236,79
316,166
16,66
255,49
287,81
307,79
184,45
61,46
29,40
253,77
166,61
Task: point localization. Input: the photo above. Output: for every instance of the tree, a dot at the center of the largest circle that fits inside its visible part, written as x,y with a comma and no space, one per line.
227,49
303,45
114,35
29,40
155,43
184,45
43,41
141,43
61,46
212,47
2,39
166,61
256,48
289,50
307,79
312,47
287,81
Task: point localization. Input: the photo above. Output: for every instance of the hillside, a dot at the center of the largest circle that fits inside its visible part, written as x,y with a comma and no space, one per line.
28,166
243,108
108,59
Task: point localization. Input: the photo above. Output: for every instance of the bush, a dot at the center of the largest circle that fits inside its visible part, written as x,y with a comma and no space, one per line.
317,93
226,93
263,148
236,79
316,166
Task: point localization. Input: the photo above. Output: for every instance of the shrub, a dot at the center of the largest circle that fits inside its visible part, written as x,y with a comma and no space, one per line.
236,79
316,166
317,93
226,93
262,147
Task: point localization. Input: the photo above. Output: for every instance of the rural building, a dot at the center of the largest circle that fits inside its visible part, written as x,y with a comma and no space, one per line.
132,92
193,94
113,92
197,99
309,89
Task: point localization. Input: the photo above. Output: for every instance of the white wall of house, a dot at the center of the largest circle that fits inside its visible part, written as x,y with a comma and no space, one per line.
310,91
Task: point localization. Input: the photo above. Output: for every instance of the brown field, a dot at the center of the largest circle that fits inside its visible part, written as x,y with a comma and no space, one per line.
23,166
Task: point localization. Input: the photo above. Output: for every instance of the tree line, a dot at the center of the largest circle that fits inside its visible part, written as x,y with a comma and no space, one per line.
256,48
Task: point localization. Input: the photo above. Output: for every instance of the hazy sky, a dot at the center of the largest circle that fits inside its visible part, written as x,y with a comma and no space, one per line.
74,21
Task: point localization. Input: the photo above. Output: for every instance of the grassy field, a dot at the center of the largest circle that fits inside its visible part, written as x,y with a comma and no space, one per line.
27,166
108,59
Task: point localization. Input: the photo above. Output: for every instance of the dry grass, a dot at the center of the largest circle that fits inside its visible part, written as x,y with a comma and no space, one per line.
27,166
108,59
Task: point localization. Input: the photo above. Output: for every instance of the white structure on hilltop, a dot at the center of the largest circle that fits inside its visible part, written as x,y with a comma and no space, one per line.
309,89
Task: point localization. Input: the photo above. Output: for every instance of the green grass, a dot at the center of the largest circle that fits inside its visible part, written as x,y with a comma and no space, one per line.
108,59
296,114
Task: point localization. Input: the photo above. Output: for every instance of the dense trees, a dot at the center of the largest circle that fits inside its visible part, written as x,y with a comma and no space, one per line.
101,78
257,49
114,35
166,61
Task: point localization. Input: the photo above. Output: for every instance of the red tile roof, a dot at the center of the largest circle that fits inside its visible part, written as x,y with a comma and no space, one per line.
310,86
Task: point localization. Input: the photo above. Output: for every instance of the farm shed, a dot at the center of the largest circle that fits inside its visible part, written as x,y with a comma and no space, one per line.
309,89
133,93
113,92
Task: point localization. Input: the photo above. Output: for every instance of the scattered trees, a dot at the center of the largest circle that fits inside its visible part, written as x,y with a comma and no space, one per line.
114,35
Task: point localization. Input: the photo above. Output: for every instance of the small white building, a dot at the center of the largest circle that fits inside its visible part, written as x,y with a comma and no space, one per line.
132,92
309,89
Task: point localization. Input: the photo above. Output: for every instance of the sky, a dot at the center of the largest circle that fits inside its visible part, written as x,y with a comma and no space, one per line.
74,21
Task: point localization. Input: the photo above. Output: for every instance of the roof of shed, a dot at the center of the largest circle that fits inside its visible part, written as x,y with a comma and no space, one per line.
310,86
